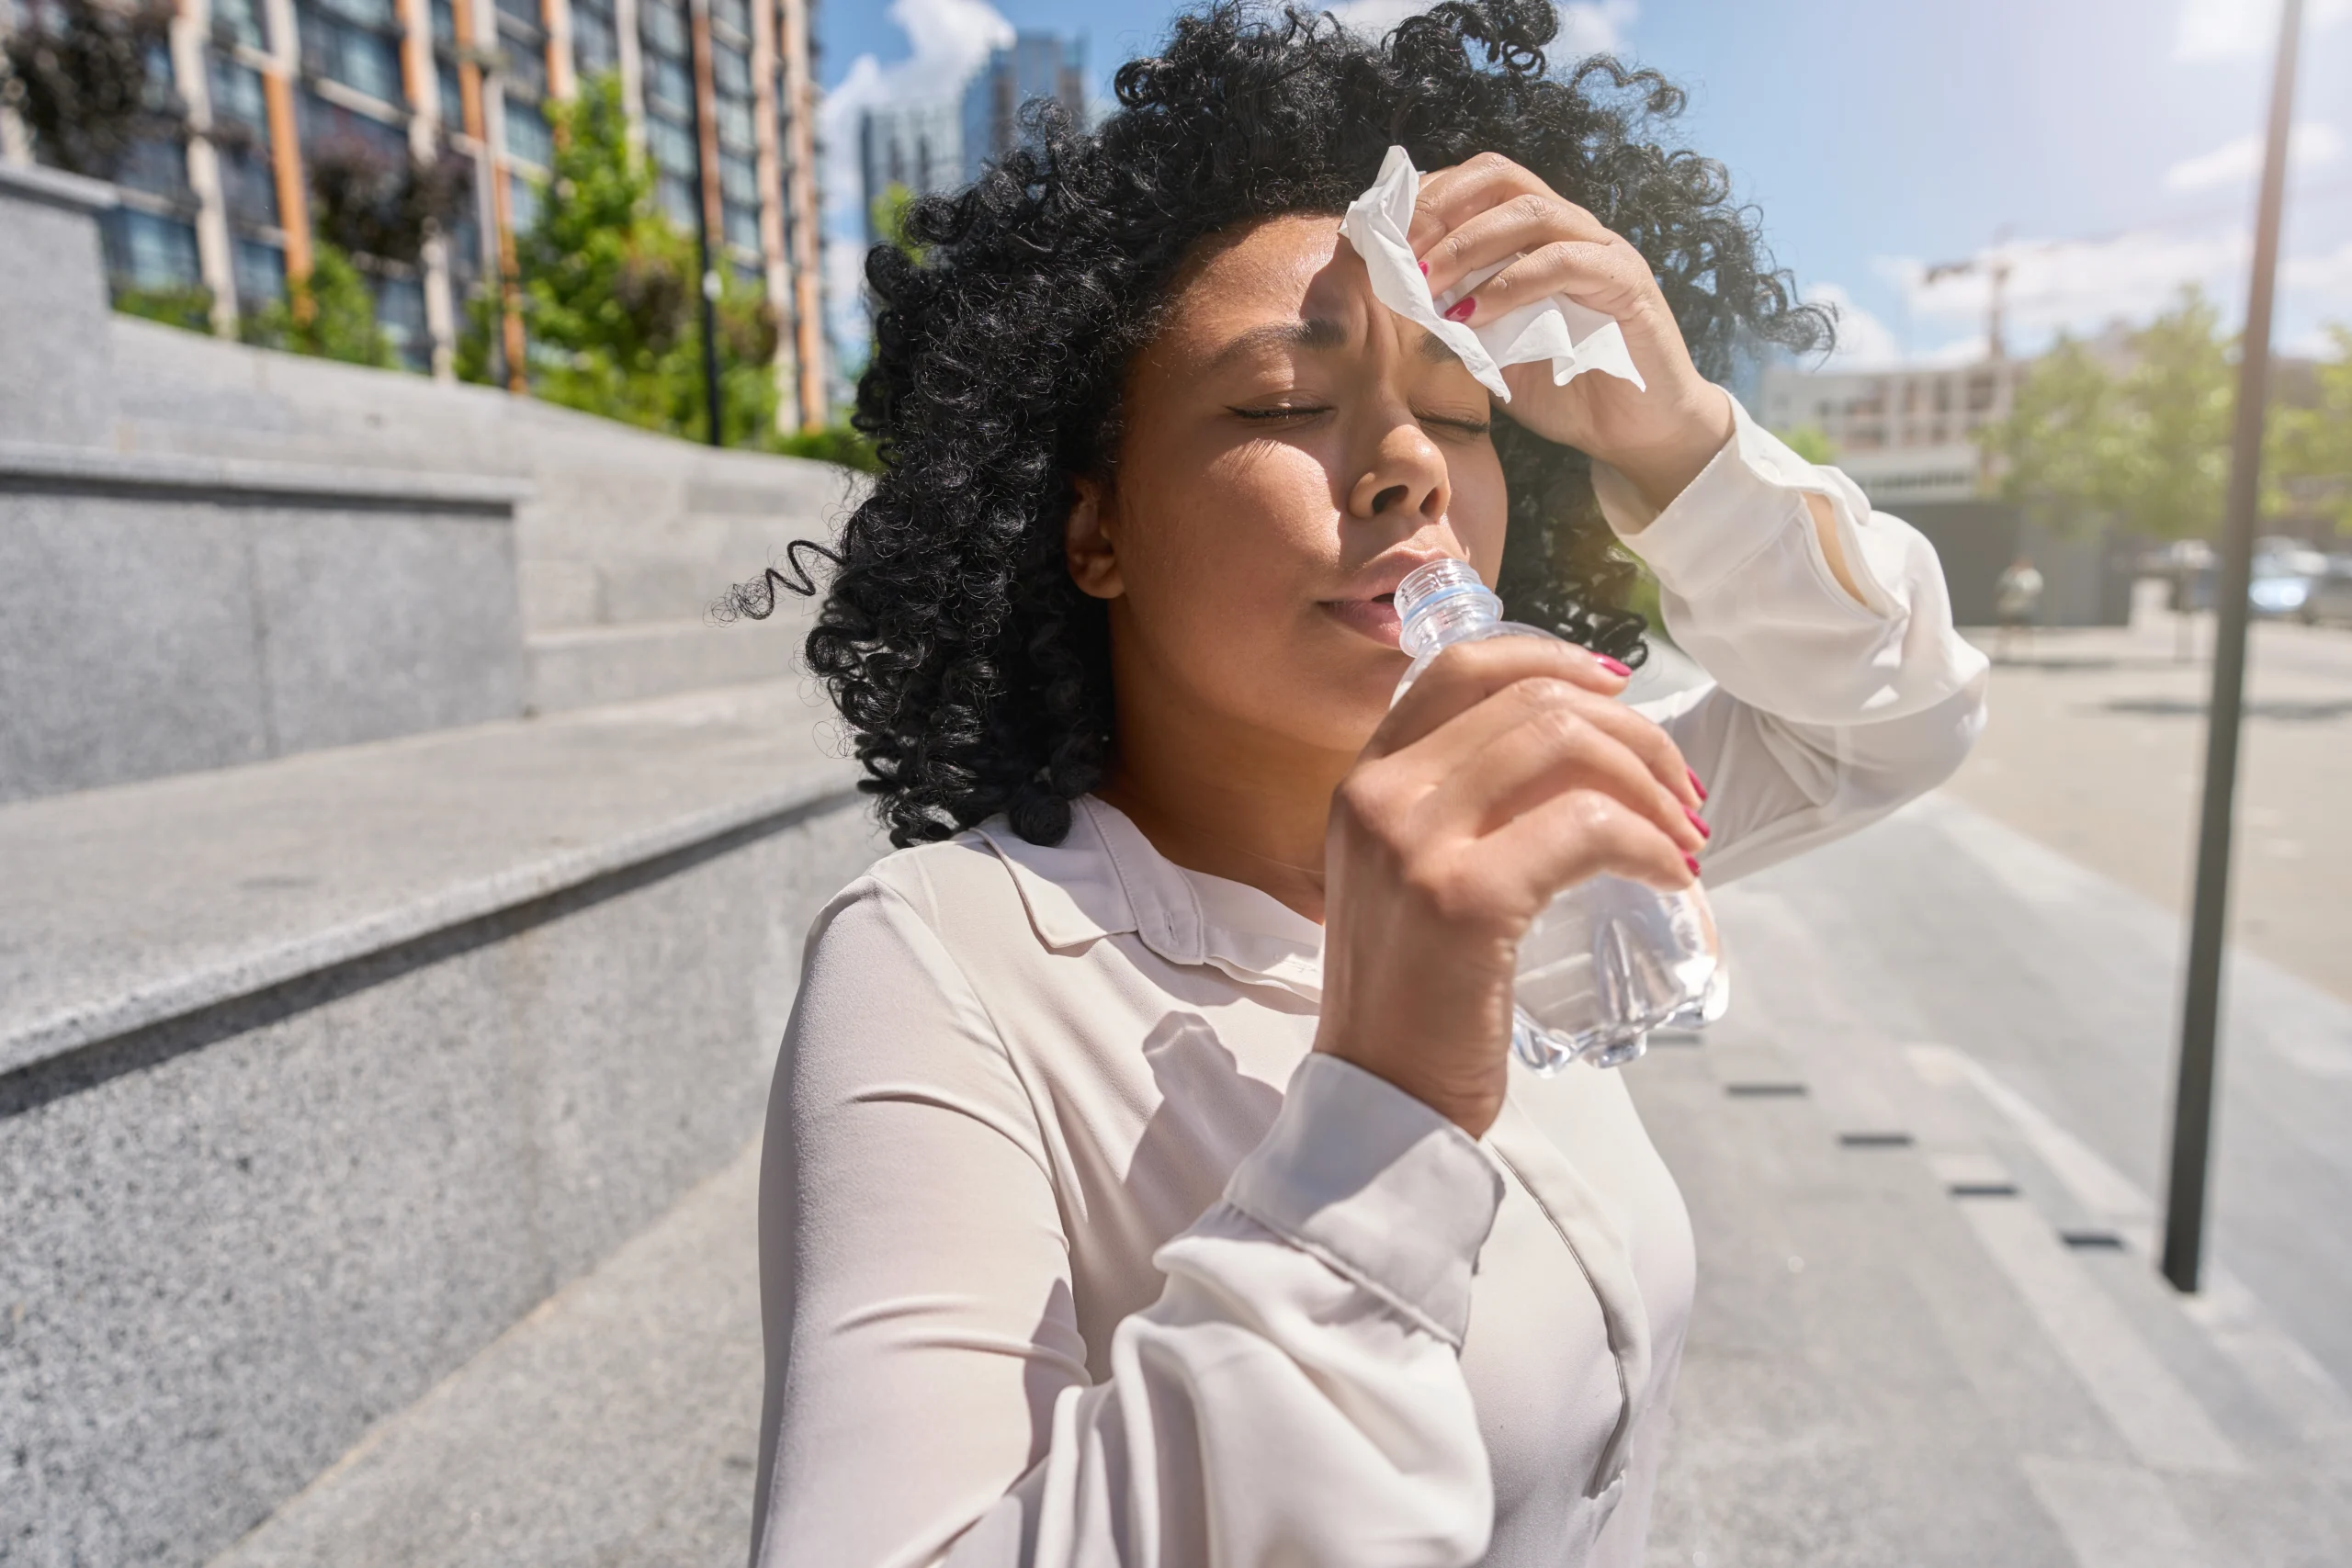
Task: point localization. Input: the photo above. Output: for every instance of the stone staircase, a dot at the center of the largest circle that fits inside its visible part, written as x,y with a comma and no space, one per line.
405,885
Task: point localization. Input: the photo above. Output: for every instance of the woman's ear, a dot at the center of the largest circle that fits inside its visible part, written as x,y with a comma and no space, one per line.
1086,541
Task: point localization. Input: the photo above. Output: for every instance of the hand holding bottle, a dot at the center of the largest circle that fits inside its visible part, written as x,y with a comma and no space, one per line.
1507,774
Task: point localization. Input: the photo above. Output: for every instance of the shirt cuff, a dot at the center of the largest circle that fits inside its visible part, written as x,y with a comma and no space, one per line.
1377,1185
1734,511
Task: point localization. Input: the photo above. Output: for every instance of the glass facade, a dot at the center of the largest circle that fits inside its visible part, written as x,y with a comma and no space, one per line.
343,72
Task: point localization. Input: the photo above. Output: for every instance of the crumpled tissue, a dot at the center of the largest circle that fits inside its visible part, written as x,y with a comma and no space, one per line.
1574,338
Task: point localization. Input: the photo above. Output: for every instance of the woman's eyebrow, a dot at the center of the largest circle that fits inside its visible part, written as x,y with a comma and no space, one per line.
1313,332
1436,350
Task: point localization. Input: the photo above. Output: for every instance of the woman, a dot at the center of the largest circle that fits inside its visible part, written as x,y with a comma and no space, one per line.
1147,1182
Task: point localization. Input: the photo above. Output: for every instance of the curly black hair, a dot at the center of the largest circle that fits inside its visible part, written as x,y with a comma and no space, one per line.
972,673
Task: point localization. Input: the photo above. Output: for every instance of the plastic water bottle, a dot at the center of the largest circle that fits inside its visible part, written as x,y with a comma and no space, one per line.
1608,960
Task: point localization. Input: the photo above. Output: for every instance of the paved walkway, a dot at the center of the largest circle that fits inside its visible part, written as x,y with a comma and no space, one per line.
2097,747
1929,1330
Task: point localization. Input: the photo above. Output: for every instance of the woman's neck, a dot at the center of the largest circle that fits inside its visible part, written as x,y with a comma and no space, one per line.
1216,797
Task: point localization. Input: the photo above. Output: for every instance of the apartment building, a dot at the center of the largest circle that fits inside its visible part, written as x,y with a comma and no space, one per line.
722,92
1907,434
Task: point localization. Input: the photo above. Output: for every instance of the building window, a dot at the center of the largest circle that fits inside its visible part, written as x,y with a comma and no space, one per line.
400,311
523,11
734,14
159,167
735,125
453,94
1980,393
248,190
663,26
743,227
676,198
669,87
444,24
731,72
241,21
259,268
147,250
529,136
239,103
672,146
367,62
522,203
594,42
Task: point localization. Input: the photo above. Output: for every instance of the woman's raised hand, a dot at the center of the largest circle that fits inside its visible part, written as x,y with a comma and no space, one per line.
1475,214
1506,774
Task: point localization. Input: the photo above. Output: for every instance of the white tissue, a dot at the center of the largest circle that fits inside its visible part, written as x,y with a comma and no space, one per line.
1574,338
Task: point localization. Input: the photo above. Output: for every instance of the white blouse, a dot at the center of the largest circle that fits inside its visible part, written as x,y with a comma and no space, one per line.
1073,1252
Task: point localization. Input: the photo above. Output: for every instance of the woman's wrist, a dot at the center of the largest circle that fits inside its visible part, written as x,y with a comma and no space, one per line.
1662,467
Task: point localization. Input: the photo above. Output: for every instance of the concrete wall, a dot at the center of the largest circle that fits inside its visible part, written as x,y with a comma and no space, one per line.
57,379
238,1237
622,543
158,617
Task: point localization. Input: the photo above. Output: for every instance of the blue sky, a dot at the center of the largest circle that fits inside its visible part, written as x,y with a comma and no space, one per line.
2106,147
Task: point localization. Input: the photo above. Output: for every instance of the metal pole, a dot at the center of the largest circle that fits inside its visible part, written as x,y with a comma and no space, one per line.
2192,1110
706,219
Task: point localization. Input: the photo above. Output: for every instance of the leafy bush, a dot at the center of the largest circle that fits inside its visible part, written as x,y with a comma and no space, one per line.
190,306
331,314
83,87
830,444
609,294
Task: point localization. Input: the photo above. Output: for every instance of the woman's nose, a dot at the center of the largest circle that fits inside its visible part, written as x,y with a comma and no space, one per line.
1405,477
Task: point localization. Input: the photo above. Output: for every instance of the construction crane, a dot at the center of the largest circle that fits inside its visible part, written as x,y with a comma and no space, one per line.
1996,265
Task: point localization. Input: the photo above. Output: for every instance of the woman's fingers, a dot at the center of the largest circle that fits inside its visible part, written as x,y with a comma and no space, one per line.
1468,674
1606,276
1486,210
1541,739
1572,838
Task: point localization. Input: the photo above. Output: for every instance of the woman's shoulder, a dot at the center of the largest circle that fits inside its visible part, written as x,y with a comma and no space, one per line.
957,887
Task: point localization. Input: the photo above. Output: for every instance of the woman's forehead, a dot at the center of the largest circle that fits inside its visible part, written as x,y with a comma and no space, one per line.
1290,267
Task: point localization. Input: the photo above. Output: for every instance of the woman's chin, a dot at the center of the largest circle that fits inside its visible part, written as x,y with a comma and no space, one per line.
1374,619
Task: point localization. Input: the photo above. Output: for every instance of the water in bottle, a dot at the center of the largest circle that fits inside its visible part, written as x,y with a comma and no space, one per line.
1609,959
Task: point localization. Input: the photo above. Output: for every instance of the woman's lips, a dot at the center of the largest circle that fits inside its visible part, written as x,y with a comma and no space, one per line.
1374,619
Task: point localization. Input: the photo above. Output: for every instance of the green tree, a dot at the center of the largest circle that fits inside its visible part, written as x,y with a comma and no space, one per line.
2084,448
1809,442
608,293
331,314
2315,442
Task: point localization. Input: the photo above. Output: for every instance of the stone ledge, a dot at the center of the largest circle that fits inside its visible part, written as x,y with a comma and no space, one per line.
145,902
55,187
46,469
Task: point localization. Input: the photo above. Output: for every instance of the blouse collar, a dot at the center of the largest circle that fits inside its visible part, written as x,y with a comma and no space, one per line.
1105,879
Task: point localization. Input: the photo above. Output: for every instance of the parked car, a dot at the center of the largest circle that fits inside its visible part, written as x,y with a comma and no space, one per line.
2284,574
2330,597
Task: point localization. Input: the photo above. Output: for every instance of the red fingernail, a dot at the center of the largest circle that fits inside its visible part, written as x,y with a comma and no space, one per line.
1615,667
1696,785
1698,822
1692,862
1459,310
1425,269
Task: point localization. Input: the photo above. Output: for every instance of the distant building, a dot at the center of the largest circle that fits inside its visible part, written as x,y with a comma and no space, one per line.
917,146
1033,65
1905,435
721,91
942,144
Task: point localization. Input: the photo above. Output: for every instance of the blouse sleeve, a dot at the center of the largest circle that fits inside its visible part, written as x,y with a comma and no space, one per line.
1295,1396
1825,713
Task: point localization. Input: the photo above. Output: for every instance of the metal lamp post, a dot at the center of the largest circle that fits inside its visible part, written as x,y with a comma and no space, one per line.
2192,1124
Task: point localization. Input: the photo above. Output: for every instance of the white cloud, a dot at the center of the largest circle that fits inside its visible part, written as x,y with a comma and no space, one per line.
2311,144
950,39
1864,343
1586,26
2218,29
